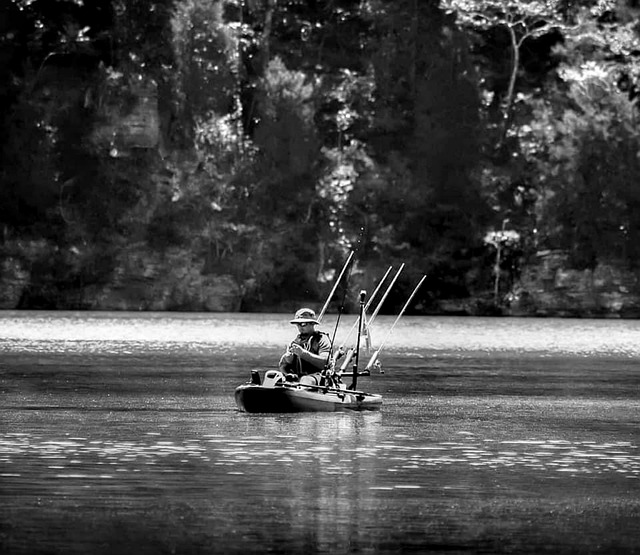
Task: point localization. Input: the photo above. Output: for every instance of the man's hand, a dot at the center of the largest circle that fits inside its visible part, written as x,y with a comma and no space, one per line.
287,357
297,349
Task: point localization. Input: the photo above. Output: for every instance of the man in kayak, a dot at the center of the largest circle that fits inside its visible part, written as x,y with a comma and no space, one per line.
308,354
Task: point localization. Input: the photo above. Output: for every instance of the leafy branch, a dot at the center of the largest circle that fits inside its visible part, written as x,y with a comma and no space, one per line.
523,20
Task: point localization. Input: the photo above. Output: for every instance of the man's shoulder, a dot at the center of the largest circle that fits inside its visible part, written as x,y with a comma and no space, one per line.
323,338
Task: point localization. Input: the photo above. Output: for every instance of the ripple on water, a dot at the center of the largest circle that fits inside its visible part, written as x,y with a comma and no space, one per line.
72,457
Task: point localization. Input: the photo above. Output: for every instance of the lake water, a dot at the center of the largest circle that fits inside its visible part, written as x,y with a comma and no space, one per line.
119,434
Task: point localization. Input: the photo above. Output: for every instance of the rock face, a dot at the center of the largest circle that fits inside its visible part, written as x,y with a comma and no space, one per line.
14,279
550,288
142,280
164,281
177,280
137,126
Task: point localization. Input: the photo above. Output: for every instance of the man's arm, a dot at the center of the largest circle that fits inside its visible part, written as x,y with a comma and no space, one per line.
319,360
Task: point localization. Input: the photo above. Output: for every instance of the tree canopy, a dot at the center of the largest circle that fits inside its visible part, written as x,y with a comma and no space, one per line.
270,137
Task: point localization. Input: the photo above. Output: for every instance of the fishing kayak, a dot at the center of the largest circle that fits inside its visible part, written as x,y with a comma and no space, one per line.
275,394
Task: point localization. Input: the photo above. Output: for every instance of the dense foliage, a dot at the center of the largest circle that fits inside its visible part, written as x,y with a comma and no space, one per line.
433,133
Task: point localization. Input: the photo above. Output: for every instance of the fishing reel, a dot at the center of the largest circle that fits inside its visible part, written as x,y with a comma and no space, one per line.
378,366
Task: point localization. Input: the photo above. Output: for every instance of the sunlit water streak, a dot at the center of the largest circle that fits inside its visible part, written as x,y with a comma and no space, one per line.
126,333
77,457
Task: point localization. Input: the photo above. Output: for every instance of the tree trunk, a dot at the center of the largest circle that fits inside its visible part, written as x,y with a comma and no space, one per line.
266,33
508,101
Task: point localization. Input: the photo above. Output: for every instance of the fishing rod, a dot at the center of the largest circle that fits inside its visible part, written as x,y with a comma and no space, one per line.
366,307
374,358
367,324
363,294
326,304
375,312
371,320
331,361
375,292
323,388
335,286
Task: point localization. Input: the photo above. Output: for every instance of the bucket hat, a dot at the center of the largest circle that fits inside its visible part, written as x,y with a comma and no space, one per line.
305,315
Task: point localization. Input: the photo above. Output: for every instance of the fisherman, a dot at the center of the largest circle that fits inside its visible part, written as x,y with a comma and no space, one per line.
307,355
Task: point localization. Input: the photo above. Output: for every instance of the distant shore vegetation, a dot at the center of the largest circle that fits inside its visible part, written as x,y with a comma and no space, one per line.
227,155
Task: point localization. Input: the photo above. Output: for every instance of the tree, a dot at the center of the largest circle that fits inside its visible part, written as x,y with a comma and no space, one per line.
424,198
584,141
523,21
48,43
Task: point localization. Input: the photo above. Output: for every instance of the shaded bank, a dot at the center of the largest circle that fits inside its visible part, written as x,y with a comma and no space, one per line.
177,279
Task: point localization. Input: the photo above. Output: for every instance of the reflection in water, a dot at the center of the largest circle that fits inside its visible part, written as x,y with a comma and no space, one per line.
555,455
296,478
343,454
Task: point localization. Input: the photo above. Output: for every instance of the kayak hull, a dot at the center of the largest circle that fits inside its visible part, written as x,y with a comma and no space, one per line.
277,396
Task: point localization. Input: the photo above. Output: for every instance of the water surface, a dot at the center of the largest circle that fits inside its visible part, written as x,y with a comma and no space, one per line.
119,434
